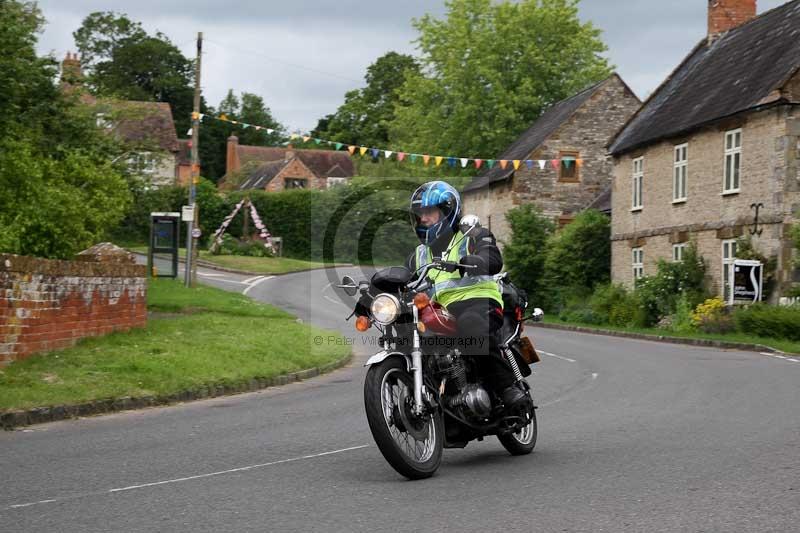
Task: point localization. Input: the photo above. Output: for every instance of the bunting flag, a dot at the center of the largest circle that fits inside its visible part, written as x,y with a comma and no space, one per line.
375,152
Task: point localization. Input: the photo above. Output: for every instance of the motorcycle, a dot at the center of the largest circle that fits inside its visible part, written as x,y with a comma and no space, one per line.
420,393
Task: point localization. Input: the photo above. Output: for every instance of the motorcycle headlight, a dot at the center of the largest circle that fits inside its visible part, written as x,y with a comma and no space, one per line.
385,309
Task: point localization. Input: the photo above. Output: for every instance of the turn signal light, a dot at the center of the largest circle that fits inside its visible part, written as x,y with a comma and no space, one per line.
362,323
421,300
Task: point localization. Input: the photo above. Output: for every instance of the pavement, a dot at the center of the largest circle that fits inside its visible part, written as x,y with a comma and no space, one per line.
633,436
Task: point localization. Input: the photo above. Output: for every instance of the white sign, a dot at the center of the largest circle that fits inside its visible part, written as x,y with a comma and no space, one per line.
187,213
747,279
196,233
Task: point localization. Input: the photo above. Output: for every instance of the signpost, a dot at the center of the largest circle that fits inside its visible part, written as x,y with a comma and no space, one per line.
747,278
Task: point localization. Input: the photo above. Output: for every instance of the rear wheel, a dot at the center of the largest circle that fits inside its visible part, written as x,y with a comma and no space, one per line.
523,441
411,444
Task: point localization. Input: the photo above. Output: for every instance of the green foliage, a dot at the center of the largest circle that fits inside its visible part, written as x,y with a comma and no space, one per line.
769,321
525,255
681,320
125,62
489,70
712,316
59,191
660,293
135,226
365,116
248,248
579,255
616,306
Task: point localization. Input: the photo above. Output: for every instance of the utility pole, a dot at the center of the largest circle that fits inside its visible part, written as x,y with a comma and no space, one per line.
190,275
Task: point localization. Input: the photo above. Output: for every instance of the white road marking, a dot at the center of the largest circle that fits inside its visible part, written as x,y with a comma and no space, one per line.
209,275
29,504
248,281
190,478
594,375
776,356
240,469
228,281
256,283
557,356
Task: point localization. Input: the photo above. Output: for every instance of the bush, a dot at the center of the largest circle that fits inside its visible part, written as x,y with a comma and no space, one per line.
681,320
525,255
579,255
250,248
769,321
659,294
712,316
617,306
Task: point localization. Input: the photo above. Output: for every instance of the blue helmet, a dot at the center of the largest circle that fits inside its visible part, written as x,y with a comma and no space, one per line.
443,196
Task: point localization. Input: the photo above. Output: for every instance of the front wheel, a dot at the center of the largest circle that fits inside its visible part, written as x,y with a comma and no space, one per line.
523,441
411,444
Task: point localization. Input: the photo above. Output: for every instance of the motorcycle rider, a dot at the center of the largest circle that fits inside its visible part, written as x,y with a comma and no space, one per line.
471,295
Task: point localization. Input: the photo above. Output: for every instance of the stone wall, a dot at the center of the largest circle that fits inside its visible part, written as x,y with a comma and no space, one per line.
50,304
296,169
585,136
707,216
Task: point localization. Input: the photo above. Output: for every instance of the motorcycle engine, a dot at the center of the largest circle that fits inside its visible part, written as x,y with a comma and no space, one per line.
472,402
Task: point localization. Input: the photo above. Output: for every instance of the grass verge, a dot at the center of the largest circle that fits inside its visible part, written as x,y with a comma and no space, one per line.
779,344
257,265
195,337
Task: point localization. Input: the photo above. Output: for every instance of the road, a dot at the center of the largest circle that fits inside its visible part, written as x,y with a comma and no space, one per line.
634,436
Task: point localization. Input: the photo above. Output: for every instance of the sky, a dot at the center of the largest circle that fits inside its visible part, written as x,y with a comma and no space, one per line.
302,56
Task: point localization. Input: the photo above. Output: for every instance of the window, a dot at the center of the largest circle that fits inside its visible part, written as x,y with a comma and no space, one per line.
568,169
143,163
638,181
728,256
638,263
680,169
295,183
678,251
333,182
733,160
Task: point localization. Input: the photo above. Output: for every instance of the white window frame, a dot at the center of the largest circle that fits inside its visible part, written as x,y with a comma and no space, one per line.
680,173
334,181
637,184
732,173
145,163
637,262
728,257
678,251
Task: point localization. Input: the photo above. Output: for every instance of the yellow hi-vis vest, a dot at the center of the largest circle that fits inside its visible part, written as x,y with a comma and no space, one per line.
450,287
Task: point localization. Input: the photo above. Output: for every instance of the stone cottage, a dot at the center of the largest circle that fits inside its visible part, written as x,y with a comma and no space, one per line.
712,148
275,169
575,132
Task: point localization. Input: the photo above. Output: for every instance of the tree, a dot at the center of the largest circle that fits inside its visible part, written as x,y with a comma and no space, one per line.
525,254
579,256
124,62
59,189
489,70
250,109
365,116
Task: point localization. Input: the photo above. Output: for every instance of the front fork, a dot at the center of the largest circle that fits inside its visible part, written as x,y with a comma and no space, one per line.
416,366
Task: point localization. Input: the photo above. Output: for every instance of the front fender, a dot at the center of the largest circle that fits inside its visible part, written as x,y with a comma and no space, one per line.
385,354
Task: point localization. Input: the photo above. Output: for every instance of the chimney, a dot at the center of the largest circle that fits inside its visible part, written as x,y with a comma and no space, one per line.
289,154
232,163
724,15
71,73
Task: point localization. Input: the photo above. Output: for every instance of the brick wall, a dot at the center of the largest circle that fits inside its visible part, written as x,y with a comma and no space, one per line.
296,170
707,216
49,304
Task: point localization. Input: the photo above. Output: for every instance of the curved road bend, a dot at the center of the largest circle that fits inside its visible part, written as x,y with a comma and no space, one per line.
634,436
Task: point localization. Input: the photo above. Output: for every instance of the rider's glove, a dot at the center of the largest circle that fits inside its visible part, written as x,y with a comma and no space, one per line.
481,269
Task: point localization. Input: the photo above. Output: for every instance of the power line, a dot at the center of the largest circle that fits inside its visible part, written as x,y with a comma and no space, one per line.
282,62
